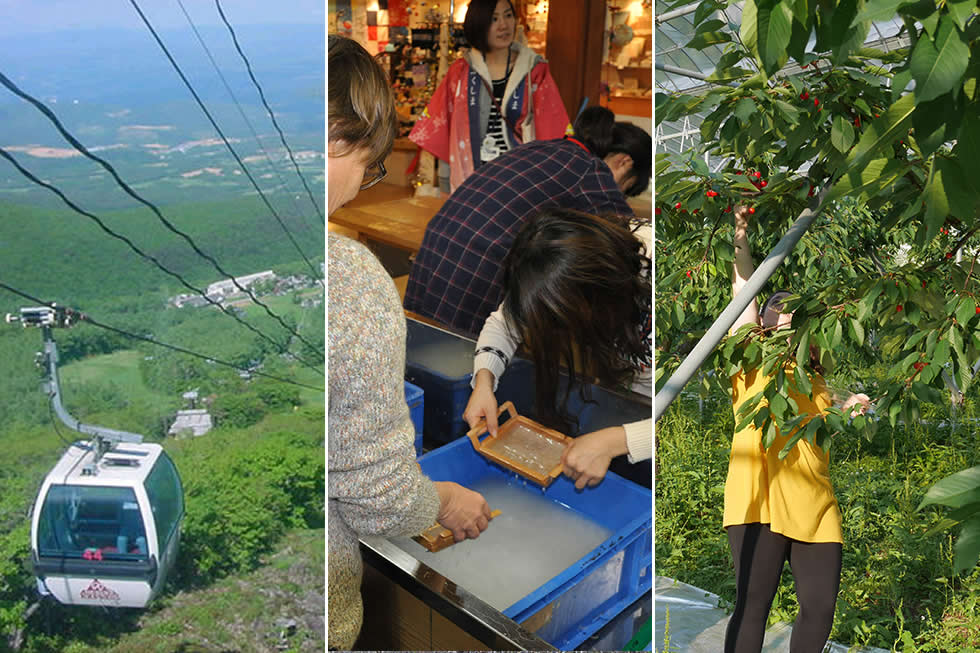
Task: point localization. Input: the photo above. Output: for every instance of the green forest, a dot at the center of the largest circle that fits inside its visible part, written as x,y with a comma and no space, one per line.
251,554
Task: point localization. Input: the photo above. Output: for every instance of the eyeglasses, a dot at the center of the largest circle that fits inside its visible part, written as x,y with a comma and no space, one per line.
373,174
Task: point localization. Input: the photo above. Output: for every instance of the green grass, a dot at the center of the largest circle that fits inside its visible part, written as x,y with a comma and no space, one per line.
120,368
898,590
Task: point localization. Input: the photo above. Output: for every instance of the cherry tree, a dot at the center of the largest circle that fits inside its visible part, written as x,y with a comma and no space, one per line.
800,115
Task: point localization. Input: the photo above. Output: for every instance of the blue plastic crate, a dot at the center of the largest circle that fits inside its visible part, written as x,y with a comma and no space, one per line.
415,398
576,603
441,363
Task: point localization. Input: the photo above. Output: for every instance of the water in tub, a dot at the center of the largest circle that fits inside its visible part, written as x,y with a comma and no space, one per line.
532,541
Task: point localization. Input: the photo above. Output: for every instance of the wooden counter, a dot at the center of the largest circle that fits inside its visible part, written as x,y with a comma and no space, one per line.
400,223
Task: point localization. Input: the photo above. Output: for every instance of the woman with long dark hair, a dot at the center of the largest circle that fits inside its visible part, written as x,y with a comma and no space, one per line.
577,294
457,276
498,95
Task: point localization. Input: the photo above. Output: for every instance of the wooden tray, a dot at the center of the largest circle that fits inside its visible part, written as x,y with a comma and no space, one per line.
523,446
437,537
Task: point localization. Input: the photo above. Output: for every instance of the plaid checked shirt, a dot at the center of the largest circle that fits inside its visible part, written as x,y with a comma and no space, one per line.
457,275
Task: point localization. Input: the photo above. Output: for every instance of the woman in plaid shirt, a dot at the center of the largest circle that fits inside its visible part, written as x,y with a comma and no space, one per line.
456,278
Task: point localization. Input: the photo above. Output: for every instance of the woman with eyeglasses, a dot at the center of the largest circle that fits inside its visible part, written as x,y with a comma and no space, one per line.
498,95
375,486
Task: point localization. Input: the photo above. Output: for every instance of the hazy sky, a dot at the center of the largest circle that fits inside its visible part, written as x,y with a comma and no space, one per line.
32,16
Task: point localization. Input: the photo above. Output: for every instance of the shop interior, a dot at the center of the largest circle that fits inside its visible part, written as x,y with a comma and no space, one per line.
598,594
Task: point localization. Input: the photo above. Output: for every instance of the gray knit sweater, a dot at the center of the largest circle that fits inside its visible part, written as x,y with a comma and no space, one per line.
375,486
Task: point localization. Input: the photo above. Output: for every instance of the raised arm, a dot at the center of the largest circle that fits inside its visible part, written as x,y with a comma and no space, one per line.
744,266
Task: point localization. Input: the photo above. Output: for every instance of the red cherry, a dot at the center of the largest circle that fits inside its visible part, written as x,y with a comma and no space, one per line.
857,122
678,205
923,283
757,174
728,209
763,183
688,273
816,102
696,210
918,366
978,309
657,211
877,115
898,308
751,210
804,95
949,254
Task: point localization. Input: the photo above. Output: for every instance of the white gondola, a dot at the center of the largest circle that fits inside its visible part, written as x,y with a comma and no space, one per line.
107,533
105,528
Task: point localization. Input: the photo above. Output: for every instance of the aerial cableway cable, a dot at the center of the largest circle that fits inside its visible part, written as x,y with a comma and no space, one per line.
265,200
82,317
27,173
16,90
241,112
282,137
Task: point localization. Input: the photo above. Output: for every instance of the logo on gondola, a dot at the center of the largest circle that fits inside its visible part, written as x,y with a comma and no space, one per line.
96,591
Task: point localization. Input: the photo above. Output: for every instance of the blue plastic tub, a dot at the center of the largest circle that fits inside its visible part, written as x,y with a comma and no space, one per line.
415,398
441,363
576,603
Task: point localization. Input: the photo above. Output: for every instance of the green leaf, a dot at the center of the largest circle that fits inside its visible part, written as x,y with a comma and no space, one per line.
966,310
935,122
955,490
960,11
842,134
712,25
802,381
778,406
878,10
856,330
793,439
967,154
936,199
706,39
868,181
938,65
940,356
749,30
882,131
770,435
927,393
967,547
745,109
774,30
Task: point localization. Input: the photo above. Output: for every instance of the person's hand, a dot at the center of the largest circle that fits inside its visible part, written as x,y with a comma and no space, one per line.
586,459
859,404
462,511
742,216
482,403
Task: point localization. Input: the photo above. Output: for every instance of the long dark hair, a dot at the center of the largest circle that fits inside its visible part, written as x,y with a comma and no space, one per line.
577,290
597,128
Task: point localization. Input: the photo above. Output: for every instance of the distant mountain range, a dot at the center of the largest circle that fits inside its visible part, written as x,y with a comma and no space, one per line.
117,93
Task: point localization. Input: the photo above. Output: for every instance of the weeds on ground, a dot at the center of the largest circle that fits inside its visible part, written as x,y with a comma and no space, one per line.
898,590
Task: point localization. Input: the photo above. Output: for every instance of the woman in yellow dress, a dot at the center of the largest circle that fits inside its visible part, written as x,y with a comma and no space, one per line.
779,511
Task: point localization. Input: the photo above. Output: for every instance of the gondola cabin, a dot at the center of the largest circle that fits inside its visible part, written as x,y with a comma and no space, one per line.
105,530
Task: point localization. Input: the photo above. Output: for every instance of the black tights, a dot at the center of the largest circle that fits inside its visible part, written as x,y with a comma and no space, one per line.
759,554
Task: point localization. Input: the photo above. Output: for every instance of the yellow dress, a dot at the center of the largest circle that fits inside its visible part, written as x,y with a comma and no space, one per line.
794,495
